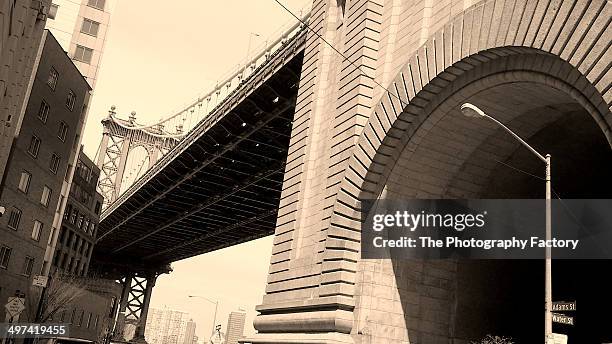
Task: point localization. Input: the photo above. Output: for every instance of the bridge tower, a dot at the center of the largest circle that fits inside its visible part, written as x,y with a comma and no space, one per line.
120,140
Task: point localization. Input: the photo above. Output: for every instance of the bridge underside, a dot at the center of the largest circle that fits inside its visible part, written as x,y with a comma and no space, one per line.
221,186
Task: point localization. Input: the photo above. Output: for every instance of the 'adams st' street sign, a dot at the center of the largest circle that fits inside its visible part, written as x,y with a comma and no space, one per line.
564,306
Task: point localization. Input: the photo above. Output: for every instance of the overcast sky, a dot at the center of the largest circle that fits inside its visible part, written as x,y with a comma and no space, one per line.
160,55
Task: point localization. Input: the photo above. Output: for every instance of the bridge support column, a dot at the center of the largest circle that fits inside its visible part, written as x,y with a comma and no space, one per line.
139,333
350,134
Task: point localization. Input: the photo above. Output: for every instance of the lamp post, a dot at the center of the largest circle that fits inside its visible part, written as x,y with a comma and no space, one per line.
216,307
471,110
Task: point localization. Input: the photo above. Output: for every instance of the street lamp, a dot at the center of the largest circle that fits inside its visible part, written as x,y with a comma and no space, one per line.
216,307
471,110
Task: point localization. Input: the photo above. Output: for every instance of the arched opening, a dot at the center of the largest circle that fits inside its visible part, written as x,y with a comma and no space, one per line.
448,155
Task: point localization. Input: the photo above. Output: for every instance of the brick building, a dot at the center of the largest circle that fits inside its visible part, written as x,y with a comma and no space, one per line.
81,216
39,168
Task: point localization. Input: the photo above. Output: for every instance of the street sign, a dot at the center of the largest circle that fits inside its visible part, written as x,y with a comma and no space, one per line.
564,306
562,319
40,281
15,306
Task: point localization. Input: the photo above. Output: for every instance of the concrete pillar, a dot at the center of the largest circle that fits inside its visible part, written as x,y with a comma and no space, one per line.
314,291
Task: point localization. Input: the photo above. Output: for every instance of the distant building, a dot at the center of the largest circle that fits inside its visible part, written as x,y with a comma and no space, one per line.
81,216
81,27
22,23
168,326
235,327
190,336
39,169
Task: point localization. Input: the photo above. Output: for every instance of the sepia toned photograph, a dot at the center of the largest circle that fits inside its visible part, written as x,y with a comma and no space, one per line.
305,171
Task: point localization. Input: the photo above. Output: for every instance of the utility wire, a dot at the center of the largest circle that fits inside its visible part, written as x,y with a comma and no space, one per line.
519,170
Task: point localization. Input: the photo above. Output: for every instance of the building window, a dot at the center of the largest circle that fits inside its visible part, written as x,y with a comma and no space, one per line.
63,131
90,27
52,11
46,196
5,256
67,212
70,100
43,111
98,208
24,181
34,146
99,4
92,226
36,230
55,161
88,320
96,322
14,218
28,265
86,225
83,54
74,215
80,223
52,80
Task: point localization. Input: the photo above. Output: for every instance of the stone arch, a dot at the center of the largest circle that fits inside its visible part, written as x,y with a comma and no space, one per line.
573,32
561,45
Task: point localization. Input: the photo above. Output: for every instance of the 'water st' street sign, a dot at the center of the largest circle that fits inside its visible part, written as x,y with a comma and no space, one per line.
562,319
564,306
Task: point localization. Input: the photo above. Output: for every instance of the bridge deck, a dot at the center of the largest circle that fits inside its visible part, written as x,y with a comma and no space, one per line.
218,187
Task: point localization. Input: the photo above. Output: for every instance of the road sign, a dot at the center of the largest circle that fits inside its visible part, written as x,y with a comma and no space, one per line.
562,319
40,281
564,306
15,306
